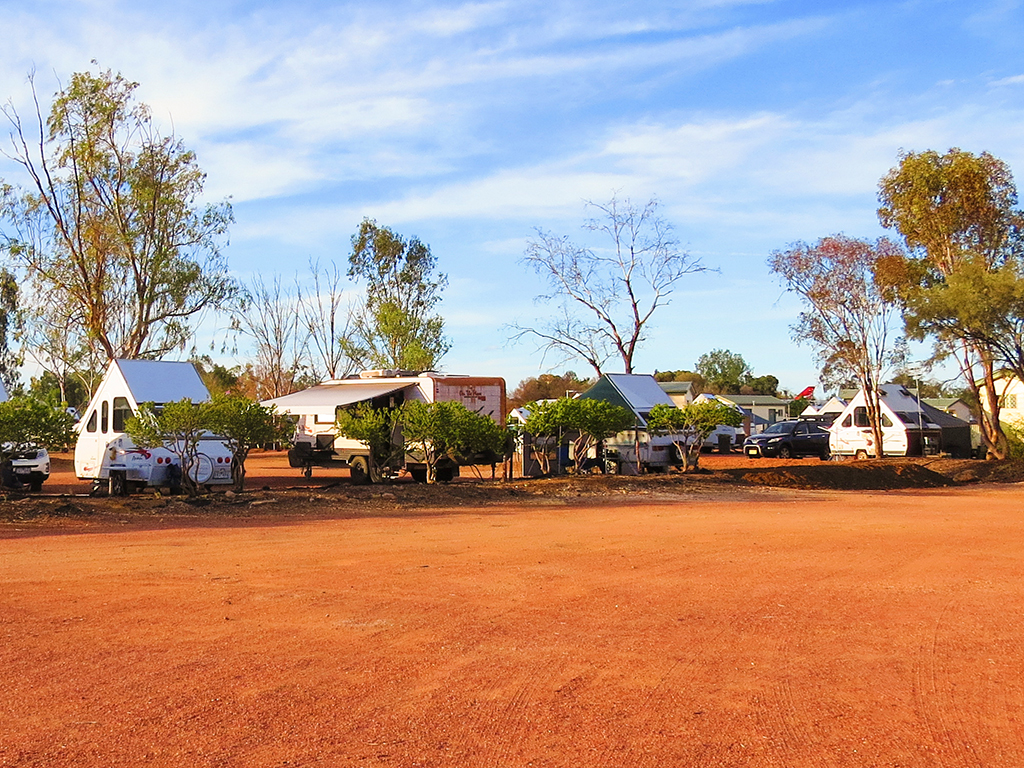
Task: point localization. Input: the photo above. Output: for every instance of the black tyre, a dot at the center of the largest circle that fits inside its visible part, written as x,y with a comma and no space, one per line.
785,452
444,474
861,455
359,469
118,484
825,455
418,475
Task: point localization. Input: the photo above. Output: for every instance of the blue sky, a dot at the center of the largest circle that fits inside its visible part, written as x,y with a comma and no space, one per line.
755,124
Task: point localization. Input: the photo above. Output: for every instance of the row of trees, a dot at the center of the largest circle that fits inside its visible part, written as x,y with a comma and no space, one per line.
956,277
442,433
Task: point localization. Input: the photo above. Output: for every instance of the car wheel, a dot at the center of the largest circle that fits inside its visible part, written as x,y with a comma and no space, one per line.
825,455
35,485
785,452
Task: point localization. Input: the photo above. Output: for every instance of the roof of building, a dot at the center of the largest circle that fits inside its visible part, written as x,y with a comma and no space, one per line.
676,387
748,401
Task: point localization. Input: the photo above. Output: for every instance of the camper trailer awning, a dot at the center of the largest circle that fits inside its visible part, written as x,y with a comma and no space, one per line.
322,400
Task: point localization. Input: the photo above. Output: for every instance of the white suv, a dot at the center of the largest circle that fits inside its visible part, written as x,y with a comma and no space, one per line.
32,467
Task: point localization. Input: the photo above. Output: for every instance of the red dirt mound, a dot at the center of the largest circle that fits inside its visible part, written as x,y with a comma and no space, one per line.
853,476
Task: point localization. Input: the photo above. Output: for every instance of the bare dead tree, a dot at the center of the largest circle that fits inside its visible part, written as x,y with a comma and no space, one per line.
606,296
270,317
327,314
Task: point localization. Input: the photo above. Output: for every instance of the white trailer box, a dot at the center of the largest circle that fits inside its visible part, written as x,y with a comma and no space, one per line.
105,454
316,442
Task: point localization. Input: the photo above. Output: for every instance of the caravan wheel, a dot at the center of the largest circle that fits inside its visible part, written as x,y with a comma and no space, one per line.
359,470
118,484
860,455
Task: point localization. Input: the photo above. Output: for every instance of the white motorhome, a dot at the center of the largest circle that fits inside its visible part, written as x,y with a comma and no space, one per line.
105,454
909,428
316,442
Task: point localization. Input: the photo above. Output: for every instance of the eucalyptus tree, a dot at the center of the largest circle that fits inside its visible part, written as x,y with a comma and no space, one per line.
109,221
397,325
962,282
850,320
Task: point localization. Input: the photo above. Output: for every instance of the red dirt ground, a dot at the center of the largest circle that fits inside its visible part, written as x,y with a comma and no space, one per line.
723,626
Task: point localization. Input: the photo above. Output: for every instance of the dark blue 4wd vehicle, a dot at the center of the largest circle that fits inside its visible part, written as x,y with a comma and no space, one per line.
789,440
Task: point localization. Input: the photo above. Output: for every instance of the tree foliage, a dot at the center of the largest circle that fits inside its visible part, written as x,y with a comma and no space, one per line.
177,426
30,421
682,375
109,224
449,431
961,281
547,386
606,297
397,326
584,421
244,424
850,320
691,426
761,385
11,324
723,372
379,428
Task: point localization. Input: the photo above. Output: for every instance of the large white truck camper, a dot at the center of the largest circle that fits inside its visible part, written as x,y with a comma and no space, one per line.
105,454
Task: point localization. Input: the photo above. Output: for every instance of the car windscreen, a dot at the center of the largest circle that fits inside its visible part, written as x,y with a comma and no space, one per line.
780,428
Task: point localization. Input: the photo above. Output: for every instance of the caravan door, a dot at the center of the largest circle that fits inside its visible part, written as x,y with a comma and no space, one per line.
93,441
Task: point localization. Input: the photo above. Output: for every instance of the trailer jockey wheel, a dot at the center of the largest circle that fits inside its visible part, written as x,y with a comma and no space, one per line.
359,470
307,471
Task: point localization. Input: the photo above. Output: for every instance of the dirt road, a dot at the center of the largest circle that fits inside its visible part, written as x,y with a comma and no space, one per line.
759,628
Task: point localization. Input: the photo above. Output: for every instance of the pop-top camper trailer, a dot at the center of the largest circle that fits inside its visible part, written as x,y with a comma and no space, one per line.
909,428
106,455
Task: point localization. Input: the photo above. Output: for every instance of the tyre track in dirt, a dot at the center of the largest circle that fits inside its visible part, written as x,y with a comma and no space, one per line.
958,716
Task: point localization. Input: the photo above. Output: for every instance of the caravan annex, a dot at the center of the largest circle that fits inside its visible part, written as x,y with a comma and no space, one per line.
105,454
909,428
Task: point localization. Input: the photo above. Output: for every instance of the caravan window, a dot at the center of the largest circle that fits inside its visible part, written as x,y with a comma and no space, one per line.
104,416
91,425
122,411
848,421
860,416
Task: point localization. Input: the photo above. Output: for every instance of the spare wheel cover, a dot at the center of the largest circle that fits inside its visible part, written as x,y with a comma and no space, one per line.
201,470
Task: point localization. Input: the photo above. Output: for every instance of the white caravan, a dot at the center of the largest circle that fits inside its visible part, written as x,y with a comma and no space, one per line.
907,428
316,442
106,455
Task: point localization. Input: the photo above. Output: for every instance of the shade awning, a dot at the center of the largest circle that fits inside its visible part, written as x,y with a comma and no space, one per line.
324,399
